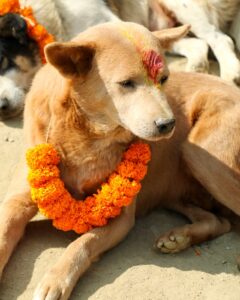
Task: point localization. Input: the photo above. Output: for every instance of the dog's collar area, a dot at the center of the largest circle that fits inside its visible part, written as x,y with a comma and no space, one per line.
56,203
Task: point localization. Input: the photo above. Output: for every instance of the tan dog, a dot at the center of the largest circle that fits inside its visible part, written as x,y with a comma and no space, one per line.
92,100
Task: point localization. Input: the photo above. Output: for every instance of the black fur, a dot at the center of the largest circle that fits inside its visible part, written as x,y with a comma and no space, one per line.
14,41
14,45
13,26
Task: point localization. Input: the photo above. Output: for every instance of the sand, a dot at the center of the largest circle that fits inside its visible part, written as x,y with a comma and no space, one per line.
132,270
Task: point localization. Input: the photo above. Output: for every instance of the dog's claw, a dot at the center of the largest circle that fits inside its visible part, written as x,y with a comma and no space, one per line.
172,243
52,287
159,244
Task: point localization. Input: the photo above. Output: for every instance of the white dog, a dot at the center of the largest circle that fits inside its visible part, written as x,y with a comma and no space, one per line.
209,19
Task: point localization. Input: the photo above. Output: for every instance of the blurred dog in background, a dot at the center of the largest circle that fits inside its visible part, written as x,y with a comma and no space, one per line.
210,22
19,56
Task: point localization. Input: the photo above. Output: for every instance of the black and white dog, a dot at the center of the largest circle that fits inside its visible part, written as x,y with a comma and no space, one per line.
19,61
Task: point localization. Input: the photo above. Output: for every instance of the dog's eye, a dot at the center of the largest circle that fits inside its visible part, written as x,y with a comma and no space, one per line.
127,84
163,79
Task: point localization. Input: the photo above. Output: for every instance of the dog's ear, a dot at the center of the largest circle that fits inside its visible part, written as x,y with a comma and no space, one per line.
70,59
168,36
13,26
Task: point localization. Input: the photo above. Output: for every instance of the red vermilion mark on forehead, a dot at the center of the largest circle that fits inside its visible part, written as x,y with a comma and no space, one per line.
153,63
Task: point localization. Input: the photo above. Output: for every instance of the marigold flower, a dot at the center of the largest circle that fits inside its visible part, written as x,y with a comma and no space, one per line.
38,177
55,202
138,152
129,169
41,156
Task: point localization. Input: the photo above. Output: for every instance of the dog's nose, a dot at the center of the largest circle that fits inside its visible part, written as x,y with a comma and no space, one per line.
4,104
165,126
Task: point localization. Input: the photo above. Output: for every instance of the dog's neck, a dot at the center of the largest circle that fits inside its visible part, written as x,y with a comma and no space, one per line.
85,126
86,149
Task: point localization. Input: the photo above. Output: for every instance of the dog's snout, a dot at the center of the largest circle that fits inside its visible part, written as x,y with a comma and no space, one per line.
165,126
4,104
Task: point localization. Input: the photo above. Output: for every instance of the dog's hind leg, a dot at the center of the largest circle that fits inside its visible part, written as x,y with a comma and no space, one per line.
213,158
15,212
58,283
205,226
212,155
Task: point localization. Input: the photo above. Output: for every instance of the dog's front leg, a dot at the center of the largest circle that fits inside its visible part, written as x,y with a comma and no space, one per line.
15,212
59,282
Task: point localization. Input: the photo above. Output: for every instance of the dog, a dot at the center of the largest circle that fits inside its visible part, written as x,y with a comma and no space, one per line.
210,22
18,64
91,100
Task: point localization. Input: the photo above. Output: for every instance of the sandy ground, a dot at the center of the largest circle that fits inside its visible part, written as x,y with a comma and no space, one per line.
132,270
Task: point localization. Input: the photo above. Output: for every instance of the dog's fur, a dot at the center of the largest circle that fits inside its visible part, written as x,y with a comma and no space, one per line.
19,61
210,21
79,102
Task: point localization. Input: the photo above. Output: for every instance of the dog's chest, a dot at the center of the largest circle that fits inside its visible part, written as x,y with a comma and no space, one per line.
90,171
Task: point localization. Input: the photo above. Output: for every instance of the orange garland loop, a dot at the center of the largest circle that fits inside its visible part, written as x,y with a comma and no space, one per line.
35,31
56,203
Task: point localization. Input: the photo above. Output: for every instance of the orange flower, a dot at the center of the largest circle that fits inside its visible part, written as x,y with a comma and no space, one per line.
7,6
35,31
41,156
139,152
129,169
55,202
38,177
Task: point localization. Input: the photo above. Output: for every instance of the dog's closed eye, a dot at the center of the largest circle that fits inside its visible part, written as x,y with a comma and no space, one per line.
127,84
163,79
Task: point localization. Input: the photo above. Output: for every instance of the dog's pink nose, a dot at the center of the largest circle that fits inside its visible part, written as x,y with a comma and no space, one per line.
165,125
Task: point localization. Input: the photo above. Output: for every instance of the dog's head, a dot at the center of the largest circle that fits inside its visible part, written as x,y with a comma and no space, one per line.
117,73
18,63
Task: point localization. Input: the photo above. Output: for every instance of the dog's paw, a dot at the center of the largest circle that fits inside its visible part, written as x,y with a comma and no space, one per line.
232,73
53,286
172,242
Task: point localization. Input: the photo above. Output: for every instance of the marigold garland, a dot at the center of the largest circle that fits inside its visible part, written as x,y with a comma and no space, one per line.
56,203
35,31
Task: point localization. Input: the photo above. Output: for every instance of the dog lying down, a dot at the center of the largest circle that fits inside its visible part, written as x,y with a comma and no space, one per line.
93,98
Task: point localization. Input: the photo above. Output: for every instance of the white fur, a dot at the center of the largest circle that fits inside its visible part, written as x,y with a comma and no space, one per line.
9,90
207,18
67,18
